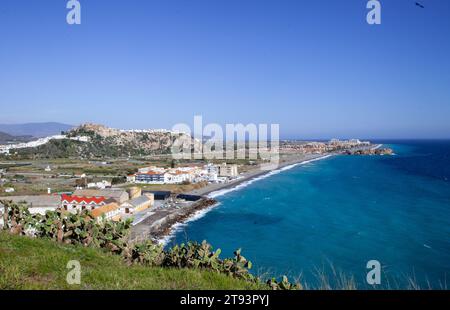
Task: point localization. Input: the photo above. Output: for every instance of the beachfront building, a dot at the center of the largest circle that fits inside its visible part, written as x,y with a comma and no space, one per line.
110,211
230,171
149,177
208,173
154,175
138,204
179,175
117,194
175,176
75,203
212,169
152,169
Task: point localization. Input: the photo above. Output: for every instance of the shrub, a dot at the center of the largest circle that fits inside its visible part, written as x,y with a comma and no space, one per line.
283,285
17,218
82,228
66,227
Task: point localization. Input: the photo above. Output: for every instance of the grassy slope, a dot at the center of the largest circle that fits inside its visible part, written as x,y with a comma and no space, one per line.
27,263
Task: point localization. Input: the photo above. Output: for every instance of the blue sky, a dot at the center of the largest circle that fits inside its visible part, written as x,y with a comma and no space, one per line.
315,67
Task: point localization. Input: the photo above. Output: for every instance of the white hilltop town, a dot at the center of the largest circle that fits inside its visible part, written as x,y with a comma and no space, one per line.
5,149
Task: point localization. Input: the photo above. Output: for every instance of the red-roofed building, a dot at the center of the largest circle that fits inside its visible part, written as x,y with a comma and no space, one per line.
77,203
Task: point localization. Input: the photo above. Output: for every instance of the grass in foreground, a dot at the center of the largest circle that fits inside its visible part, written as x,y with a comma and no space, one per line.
31,263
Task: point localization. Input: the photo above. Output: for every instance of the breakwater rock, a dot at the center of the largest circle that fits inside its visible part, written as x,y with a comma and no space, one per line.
161,223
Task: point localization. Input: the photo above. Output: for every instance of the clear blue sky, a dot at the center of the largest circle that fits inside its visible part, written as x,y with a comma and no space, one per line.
313,66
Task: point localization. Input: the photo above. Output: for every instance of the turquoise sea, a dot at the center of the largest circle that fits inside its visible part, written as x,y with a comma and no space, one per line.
336,214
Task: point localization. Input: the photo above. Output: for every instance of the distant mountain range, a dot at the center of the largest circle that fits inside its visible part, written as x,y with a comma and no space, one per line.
37,130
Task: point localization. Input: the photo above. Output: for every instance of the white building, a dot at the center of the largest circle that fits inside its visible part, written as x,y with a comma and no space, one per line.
107,212
101,185
152,169
177,177
4,149
75,203
131,178
230,171
211,168
155,175
137,204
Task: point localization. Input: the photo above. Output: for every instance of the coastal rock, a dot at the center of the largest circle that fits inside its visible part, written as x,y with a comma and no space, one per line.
378,151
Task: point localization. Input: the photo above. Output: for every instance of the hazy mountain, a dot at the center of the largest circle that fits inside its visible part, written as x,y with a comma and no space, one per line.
7,138
35,129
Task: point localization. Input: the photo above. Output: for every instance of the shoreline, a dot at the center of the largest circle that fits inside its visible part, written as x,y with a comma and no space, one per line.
192,213
211,189
165,226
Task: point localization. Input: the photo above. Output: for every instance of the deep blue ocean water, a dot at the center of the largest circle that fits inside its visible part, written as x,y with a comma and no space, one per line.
343,211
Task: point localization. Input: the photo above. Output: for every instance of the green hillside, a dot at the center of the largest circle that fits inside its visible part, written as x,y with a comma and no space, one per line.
27,263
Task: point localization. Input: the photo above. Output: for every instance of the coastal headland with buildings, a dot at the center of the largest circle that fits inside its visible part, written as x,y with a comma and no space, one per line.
158,194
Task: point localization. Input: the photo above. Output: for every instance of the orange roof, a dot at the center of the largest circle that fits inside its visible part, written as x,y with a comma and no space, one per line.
104,209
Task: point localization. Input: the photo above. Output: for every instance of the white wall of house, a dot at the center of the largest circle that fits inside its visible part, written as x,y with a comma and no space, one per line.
177,175
108,215
101,185
74,208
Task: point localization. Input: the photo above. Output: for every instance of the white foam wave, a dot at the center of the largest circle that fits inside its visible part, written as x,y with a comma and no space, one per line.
177,227
201,213
269,174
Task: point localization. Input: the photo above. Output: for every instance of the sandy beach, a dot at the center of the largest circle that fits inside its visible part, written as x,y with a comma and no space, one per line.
254,173
162,223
